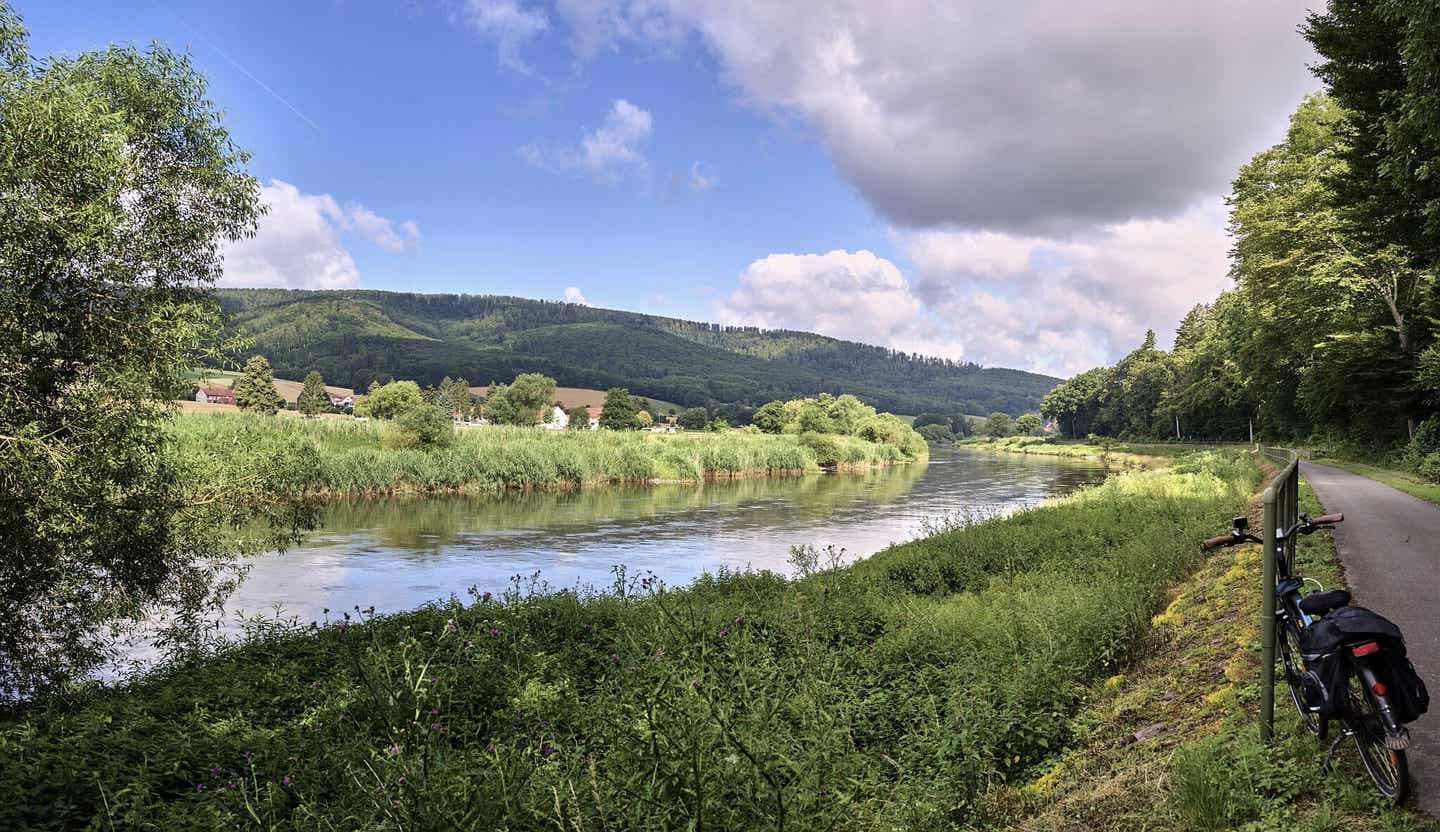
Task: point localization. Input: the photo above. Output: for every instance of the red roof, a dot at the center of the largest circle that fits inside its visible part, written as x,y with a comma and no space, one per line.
217,393
594,412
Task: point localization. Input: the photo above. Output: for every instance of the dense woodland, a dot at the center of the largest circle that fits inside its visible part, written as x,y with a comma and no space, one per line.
1330,330
355,337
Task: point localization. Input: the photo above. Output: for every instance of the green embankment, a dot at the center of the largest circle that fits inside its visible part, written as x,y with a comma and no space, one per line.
1169,743
894,694
1127,454
341,457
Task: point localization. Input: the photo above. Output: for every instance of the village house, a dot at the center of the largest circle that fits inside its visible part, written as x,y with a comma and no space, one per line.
215,395
594,414
559,419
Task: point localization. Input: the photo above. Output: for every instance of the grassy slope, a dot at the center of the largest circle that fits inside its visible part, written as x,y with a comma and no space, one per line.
1128,454
893,694
1169,744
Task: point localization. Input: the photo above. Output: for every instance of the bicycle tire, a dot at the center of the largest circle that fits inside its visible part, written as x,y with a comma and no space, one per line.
1292,667
1389,768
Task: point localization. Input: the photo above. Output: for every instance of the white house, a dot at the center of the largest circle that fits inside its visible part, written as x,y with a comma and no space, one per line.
559,419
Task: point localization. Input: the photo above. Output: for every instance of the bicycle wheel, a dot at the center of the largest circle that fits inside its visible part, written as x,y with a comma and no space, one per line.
1294,668
1388,767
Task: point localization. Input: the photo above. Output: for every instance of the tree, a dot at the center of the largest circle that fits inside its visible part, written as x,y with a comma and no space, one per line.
998,425
619,411
117,181
424,426
255,388
532,395
1029,424
932,419
643,419
579,417
695,418
936,432
393,400
313,400
770,418
454,397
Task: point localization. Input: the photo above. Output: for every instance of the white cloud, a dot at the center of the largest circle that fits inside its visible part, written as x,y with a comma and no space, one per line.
1035,116
613,145
574,295
846,294
510,24
699,182
299,242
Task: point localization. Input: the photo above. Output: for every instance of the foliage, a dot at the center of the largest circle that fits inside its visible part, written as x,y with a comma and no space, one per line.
620,411
424,426
393,400
359,336
454,397
531,394
341,457
255,388
892,694
643,419
313,399
118,182
999,425
579,418
696,418
1029,424
936,432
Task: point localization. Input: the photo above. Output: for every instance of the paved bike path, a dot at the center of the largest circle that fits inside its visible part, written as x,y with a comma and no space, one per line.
1390,547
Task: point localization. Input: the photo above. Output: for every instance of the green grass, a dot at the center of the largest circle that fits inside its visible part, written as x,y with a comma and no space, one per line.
1170,743
1130,454
894,694
1411,484
349,458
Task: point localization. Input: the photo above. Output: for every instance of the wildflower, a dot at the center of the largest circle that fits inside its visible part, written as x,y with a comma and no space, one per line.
739,619
434,711
285,781
485,597
494,632
199,787
393,749
450,626
214,771
614,658
315,684
546,749
724,631
468,645
401,781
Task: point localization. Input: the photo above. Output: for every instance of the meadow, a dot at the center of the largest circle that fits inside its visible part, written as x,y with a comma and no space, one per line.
342,457
892,694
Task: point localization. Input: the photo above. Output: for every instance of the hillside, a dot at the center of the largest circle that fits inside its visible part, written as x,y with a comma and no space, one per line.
353,337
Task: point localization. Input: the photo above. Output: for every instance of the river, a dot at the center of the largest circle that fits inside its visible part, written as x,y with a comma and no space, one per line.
399,553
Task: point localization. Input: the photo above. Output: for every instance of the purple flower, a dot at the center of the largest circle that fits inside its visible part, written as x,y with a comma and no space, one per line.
485,597
401,781
724,631
546,750
199,787
494,632
214,771
285,781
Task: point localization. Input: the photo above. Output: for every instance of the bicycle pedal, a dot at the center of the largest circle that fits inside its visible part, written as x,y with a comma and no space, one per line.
1398,742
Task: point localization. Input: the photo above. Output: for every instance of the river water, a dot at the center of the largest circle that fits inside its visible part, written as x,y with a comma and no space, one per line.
399,553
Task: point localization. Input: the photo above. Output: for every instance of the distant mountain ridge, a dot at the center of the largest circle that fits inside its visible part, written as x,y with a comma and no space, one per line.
354,336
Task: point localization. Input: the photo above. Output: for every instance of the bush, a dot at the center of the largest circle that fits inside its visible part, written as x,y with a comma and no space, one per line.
425,426
1424,444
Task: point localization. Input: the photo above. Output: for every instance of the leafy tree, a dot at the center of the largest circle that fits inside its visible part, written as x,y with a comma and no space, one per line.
932,419
313,399
255,388
718,425
619,411
695,418
117,180
454,397
1029,424
579,417
423,426
936,432
998,425
532,395
392,400
960,425
644,420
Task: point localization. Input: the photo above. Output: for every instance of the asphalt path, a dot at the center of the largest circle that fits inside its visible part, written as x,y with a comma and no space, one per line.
1389,545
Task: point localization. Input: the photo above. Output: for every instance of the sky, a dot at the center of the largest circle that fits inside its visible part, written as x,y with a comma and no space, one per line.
1026,184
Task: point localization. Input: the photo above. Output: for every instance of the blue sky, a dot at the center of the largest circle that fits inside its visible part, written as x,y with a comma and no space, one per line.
956,179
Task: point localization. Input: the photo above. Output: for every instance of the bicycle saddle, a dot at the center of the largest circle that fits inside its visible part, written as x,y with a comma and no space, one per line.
1319,603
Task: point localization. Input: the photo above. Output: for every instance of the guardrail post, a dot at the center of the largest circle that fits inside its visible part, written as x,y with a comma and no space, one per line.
1267,621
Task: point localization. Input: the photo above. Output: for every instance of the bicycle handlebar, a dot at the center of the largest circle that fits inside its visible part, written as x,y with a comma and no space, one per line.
1221,540
1327,519
1305,526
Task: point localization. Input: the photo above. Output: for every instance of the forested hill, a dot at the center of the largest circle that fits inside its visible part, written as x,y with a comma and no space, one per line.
353,337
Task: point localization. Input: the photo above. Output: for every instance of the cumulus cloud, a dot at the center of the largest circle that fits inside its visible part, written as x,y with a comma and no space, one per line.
846,294
574,295
509,24
601,152
299,244
1035,116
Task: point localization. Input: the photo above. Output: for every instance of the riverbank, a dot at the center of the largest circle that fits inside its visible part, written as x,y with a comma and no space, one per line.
895,693
347,458
1119,454
1169,742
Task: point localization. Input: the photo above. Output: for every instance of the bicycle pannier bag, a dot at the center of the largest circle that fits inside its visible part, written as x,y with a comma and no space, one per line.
1324,647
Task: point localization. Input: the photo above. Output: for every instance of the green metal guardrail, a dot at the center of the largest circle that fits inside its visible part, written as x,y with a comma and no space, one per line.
1282,510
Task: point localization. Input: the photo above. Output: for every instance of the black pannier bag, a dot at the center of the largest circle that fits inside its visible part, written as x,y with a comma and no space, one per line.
1325,645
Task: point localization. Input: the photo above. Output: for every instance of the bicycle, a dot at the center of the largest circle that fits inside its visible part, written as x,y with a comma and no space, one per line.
1364,708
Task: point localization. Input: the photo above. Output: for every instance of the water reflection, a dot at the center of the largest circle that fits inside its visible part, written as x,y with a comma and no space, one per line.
402,552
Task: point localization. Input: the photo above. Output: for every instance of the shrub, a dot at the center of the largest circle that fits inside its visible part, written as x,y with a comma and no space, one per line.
424,426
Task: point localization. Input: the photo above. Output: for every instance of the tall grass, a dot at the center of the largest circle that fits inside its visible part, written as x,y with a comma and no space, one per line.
886,695
352,459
